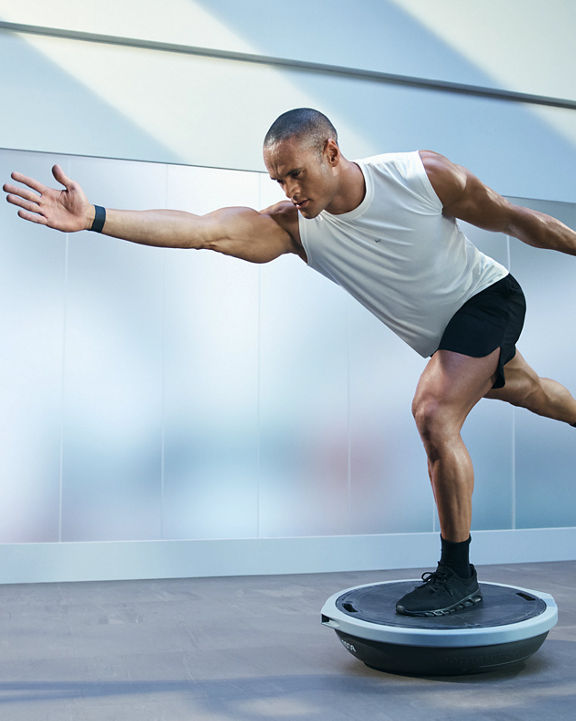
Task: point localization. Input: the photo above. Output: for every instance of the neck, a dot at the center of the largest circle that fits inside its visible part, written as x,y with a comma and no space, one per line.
351,191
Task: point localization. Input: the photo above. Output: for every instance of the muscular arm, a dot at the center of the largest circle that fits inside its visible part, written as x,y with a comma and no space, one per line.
464,196
241,232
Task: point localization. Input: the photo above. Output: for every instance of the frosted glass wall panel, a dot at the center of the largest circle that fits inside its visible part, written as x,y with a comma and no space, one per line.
546,449
192,395
211,372
304,402
113,415
390,488
488,431
31,327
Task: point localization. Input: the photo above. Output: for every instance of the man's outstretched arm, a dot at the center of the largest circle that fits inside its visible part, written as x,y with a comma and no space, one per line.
240,232
464,196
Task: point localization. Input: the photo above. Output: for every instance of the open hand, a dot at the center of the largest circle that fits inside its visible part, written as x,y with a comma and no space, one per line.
67,210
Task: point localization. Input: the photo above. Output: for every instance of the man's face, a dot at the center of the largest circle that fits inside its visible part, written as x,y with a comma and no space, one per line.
308,179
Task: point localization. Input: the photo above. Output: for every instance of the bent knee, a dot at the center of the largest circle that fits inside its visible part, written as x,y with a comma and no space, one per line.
433,418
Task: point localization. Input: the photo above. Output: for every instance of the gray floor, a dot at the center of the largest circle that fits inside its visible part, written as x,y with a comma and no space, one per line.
249,649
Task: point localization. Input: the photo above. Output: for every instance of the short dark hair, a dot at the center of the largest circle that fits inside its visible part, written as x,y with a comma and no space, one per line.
302,123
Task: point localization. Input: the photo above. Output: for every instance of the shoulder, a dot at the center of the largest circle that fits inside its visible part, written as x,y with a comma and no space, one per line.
448,179
284,212
463,195
285,215
436,163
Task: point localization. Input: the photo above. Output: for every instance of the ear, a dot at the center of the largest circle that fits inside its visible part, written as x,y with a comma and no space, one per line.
332,151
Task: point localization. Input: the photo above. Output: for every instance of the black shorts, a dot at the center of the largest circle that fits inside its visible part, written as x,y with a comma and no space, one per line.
491,319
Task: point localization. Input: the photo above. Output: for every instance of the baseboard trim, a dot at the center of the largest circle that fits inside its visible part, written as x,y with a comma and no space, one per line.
130,560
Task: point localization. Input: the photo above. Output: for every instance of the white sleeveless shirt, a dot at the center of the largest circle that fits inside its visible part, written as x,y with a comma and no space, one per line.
396,253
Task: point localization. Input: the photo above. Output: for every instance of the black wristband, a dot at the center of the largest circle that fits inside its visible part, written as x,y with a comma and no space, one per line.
99,219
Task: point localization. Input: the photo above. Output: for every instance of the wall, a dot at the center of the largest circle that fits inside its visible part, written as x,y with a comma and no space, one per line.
114,100
158,403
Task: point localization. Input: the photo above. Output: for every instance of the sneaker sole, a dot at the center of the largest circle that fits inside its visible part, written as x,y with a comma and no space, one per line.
472,600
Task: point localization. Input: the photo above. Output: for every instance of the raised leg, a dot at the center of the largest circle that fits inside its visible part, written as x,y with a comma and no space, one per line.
524,388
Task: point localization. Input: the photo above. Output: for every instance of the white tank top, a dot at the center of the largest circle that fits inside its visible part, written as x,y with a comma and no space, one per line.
397,254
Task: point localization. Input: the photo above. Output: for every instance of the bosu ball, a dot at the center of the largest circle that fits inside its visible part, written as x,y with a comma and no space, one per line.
507,627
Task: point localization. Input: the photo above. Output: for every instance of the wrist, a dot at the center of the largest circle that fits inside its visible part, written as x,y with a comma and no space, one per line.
89,217
98,218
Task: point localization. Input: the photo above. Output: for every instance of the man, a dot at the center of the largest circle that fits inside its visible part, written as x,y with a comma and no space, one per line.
385,229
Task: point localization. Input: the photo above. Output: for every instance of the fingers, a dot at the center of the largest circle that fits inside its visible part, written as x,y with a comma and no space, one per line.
25,199
22,197
30,182
14,190
22,203
33,217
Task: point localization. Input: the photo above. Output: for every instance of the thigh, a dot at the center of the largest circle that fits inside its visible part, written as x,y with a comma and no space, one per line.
456,382
520,381
491,319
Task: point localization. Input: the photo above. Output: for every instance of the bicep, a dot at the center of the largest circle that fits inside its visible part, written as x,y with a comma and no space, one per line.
246,234
464,196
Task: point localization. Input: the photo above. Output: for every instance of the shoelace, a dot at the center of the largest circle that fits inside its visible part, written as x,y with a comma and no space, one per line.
435,578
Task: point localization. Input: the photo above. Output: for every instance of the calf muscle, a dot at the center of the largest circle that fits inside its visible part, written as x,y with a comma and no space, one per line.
543,396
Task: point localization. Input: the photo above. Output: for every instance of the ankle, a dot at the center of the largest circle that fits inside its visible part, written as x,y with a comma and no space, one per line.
456,555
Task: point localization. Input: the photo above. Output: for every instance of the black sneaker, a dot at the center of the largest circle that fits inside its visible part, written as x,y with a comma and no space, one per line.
442,592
